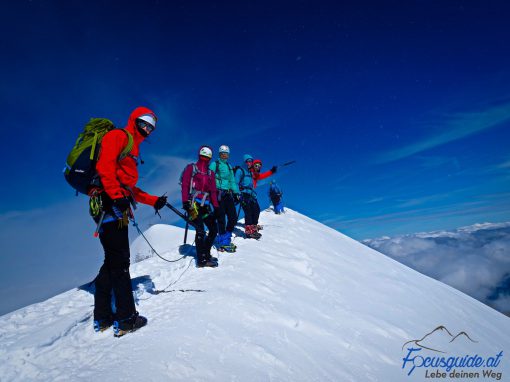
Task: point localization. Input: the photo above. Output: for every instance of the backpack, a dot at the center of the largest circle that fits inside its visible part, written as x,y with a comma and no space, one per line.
243,174
80,171
274,190
194,171
217,161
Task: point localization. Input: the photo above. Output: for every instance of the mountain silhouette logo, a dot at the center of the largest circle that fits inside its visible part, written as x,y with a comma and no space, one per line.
440,332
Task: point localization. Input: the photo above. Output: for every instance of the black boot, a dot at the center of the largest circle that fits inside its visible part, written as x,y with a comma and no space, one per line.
128,325
207,263
102,325
208,257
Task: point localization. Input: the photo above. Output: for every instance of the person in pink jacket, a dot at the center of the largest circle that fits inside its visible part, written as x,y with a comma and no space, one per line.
198,196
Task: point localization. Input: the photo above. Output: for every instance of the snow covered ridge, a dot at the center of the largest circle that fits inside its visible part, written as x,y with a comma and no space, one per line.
305,303
473,259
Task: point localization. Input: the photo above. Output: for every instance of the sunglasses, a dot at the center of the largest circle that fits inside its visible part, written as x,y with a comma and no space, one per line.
257,165
144,125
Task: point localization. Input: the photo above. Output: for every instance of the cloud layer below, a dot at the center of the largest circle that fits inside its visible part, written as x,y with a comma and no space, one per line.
473,259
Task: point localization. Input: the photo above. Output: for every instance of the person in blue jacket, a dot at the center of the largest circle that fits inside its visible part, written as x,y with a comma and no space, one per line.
228,197
249,203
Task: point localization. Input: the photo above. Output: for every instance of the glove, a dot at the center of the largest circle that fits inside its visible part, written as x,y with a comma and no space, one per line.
122,204
273,169
186,205
160,203
237,199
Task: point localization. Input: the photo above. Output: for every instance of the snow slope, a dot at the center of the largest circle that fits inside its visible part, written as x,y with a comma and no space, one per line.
305,303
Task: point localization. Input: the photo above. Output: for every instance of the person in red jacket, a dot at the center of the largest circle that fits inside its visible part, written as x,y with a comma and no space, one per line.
257,175
115,196
198,194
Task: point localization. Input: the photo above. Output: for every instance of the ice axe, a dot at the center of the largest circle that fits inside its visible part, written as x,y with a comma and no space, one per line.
180,214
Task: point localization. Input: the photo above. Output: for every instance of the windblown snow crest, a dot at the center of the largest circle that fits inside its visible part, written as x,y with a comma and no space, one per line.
303,303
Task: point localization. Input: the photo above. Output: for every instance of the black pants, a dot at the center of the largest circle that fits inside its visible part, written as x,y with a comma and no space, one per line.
251,210
275,199
228,209
204,242
114,275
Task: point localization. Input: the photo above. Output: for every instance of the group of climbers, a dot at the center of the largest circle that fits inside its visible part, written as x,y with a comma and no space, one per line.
210,192
223,186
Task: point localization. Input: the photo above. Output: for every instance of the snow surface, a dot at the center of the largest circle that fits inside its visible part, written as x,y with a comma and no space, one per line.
305,303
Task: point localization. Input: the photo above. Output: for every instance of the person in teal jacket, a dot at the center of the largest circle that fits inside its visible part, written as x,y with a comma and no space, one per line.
228,197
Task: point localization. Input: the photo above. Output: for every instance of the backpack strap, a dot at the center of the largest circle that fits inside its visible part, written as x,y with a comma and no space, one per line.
216,172
242,175
94,144
194,171
131,142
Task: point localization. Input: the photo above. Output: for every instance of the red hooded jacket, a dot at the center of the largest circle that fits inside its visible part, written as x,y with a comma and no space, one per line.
257,175
119,177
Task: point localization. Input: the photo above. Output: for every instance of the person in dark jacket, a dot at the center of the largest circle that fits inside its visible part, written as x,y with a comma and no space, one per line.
275,194
198,194
115,196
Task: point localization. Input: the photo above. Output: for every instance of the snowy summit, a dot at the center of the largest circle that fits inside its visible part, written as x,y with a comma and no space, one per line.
305,303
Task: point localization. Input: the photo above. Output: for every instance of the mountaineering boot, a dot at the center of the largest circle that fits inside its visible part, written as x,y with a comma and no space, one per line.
220,240
227,245
259,227
208,257
228,248
102,325
128,325
207,263
251,232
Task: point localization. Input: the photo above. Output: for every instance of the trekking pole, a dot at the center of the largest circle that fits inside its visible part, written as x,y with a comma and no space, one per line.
186,229
99,223
286,163
238,211
180,214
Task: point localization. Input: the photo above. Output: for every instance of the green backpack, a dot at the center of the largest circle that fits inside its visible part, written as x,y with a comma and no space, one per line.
80,171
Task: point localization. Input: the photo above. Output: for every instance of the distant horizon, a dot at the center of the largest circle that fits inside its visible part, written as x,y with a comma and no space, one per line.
38,290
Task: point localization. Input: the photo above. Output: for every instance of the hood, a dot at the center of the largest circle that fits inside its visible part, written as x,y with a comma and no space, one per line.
139,111
245,158
203,163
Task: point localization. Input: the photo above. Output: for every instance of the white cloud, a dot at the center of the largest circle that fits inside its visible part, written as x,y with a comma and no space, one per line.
454,127
474,259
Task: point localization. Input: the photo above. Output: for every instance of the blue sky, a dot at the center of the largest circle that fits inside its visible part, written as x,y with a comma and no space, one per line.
398,114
